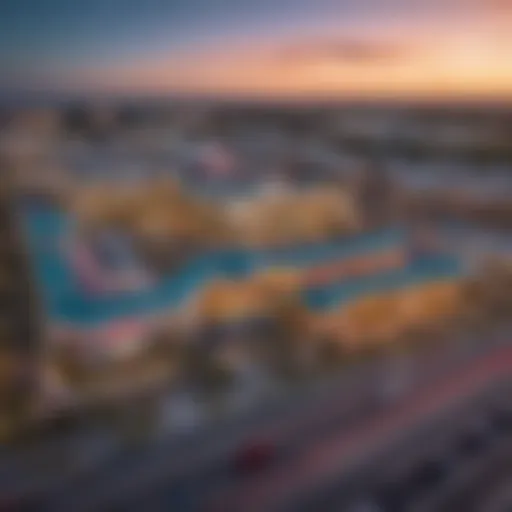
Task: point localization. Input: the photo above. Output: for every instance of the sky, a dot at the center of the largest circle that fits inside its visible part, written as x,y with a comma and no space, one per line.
275,48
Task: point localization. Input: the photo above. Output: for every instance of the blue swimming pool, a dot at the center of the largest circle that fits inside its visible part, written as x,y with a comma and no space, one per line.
423,270
65,300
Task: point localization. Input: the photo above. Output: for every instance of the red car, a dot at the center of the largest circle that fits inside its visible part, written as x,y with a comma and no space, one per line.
254,456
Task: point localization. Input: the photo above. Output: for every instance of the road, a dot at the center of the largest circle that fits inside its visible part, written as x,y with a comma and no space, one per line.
389,481
498,496
330,457
480,487
331,408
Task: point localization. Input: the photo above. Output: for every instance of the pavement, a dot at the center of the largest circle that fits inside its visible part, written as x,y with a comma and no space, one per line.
436,441
329,457
498,496
483,486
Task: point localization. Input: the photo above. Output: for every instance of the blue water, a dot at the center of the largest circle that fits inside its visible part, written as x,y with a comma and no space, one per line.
65,300
423,270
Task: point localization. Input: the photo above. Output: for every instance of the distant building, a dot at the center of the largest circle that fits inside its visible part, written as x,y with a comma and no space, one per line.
94,122
374,189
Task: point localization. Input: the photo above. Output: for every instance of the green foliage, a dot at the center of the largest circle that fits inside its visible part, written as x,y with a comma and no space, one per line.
330,354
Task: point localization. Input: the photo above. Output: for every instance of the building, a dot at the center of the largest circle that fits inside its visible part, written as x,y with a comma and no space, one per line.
21,345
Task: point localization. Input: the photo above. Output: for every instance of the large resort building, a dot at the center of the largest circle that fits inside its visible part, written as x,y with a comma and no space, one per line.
120,257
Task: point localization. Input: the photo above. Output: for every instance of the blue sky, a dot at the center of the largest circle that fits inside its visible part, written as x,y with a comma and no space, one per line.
99,44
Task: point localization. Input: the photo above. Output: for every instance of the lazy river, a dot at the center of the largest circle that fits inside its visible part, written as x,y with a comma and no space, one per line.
65,299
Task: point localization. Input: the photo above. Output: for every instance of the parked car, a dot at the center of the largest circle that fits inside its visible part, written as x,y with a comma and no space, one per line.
254,456
501,419
429,474
473,441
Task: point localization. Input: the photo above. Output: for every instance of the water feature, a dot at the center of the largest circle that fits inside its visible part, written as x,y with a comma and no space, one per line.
47,229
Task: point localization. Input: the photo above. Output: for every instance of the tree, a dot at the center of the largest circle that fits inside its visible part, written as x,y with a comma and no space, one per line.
167,345
330,353
68,361
205,370
287,344
135,421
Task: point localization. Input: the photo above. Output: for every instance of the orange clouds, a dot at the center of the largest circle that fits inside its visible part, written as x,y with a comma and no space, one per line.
445,60
344,50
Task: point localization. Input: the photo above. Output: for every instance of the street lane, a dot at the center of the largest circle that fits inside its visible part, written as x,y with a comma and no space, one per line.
387,480
480,487
330,457
498,497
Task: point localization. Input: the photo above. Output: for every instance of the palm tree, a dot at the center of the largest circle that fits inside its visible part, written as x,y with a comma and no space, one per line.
66,358
204,369
167,345
287,348
330,354
134,421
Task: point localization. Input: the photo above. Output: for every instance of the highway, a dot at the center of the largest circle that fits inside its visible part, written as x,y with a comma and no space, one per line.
484,486
324,460
498,495
397,480
201,461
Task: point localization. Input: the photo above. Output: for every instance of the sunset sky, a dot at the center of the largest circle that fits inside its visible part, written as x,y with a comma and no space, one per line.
291,48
